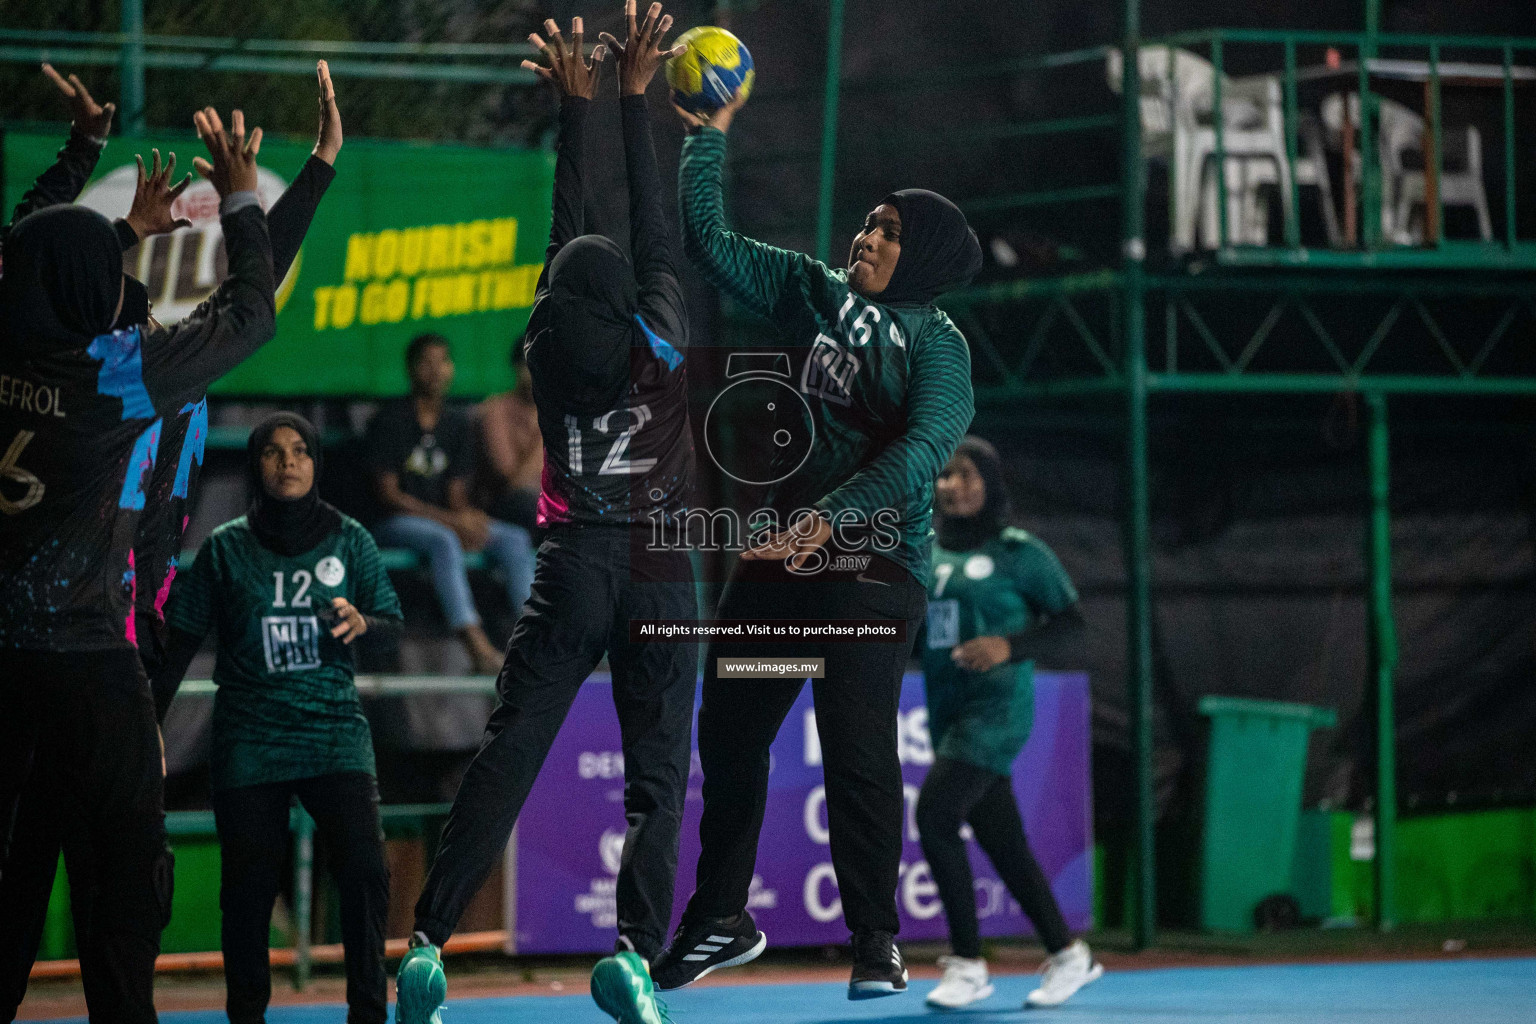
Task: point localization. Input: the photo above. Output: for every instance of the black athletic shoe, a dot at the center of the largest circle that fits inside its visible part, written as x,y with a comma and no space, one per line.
878,969
698,949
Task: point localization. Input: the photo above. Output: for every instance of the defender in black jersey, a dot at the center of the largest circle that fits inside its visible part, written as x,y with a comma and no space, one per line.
81,408
603,347
26,881
173,482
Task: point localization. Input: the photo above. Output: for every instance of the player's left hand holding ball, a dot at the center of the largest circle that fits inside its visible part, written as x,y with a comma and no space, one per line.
352,624
568,69
642,54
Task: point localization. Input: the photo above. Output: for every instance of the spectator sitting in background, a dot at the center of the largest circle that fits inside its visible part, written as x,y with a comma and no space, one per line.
420,454
512,463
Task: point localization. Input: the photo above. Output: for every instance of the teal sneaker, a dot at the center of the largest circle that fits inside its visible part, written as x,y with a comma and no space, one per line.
420,984
622,988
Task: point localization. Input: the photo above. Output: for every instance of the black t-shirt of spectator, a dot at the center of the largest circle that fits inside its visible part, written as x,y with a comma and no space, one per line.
424,460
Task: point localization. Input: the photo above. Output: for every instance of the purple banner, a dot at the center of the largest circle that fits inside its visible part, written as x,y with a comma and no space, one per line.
571,832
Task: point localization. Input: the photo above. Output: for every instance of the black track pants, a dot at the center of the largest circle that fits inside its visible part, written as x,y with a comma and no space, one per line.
856,707
80,769
589,583
955,793
254,839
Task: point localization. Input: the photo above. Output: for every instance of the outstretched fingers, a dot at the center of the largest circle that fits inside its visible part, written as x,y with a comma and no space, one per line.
327,90
556,40
58,80
81,93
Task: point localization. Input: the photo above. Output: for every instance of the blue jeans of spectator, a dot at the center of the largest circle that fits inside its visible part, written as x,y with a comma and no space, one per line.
508,548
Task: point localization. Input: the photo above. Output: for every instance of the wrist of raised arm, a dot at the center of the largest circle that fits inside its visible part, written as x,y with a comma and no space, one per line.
127,233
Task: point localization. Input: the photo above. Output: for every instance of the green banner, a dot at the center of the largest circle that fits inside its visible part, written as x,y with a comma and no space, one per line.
410,238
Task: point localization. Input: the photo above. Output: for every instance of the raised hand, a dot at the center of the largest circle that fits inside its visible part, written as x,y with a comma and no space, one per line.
234,157
568,70
89,117
720,119
328,137
642,54
154,197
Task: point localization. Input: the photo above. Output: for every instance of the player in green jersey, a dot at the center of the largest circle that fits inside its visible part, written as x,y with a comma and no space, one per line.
997,596
879,397
287,588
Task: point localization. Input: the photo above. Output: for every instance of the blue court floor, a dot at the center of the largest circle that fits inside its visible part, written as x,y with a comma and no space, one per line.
1464,992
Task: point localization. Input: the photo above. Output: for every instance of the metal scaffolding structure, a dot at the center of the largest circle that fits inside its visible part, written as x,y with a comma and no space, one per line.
1087,333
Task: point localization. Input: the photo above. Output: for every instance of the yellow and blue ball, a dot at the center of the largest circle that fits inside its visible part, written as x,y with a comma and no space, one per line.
715,65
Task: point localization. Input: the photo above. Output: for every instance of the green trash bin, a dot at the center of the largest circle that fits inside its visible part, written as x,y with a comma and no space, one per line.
1258,759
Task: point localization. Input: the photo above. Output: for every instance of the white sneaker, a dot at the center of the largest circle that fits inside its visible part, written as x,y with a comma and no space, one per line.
1063,974
965,981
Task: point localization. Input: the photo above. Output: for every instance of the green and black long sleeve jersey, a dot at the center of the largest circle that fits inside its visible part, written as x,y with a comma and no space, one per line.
888,388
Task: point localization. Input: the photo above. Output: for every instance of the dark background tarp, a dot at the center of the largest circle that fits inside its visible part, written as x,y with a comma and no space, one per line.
1258,532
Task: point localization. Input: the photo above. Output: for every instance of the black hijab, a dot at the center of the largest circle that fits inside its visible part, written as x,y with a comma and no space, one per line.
287,526
593,301
135,312
939,251
964,534
63,276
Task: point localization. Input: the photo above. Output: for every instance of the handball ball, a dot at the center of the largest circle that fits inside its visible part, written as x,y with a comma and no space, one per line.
714,67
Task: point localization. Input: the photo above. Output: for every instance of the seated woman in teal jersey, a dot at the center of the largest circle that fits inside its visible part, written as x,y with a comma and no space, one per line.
287,588
996,597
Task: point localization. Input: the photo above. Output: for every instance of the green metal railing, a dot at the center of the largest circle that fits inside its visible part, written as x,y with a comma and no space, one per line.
1114,348
1500,67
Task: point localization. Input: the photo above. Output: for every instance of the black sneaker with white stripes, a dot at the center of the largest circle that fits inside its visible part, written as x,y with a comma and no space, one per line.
697,949
878,969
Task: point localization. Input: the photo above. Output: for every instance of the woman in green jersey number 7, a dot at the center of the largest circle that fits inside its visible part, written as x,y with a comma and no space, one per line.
287,588
997,598
880,393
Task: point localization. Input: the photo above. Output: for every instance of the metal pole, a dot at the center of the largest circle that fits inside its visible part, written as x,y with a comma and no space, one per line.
1370,167
131,85
303,893
829,131
1292,199
1383,661
1220,120
1137,548
1509,147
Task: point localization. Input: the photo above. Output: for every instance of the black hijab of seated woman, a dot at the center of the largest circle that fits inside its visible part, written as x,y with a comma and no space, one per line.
966,533
938,251
286,523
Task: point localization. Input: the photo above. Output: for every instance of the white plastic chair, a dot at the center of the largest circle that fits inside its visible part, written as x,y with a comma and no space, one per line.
1178,125
1400,143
